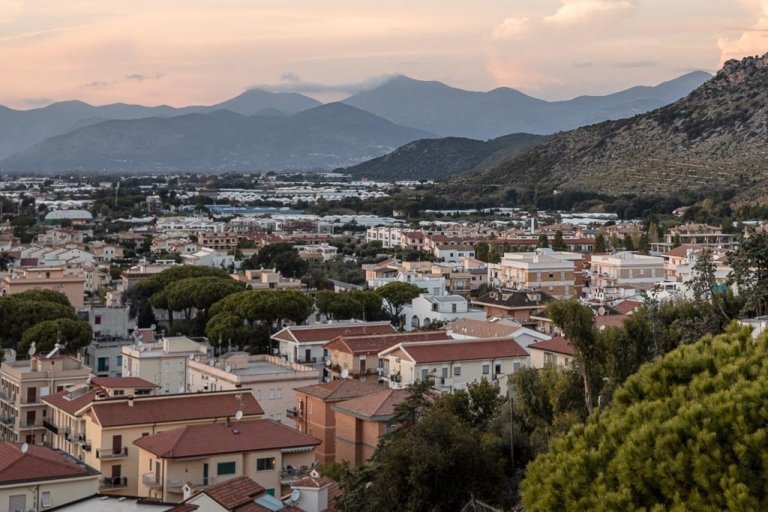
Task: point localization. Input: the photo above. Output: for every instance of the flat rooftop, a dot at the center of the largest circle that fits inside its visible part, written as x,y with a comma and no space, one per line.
114,504
261,368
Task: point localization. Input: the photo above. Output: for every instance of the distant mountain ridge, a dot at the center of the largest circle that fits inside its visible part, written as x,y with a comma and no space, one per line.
451,112
21,129
715,138
323,137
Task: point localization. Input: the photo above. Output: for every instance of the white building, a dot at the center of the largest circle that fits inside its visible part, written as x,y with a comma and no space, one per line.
304,343
427,309
453,253
164,362
206,257
387,235
624,270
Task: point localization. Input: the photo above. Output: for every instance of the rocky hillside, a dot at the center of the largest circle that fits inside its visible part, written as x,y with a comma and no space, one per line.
717,136
439,159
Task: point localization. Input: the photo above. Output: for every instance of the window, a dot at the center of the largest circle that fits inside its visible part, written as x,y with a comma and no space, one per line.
45,499
225,468
424,373
181,366
271,492
486,369
17,503
271,394
456,371
167,367
266,464
97,320
167,388
102,364
498,369
445,373
119,361
278,393
310,407
118,392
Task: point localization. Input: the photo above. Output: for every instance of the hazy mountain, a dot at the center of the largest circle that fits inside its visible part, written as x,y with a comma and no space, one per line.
324,137
21,129
713,139
439,159
449,111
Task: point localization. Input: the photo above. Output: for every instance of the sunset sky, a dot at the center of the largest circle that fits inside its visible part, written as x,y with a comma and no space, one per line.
204,51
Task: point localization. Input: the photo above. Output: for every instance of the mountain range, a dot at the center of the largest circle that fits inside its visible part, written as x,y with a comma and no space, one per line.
715,138
263,130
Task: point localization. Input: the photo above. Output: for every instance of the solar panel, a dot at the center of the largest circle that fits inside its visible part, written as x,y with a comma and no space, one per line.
270,502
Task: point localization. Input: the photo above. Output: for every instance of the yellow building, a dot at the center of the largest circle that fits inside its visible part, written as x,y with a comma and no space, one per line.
201,455
59,279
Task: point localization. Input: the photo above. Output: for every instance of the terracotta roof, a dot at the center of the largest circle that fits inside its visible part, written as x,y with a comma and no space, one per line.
376,343
483,328
680,251
338,390
464,350
310,481
60,401
234,492
123,382
169,408
511,299
627,306
610,321
183,507
558,344
378,406
217,438
323,333
39,463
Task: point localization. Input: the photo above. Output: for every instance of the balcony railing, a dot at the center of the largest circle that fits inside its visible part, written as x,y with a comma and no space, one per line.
30,426
290,473
109,454
176,486
7,396
294,413
83,442
7,420
50,426
113,482
150,480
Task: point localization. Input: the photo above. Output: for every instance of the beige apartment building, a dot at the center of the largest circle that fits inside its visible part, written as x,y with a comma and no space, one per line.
59,279
271,380
624,270
105,427
24,384
552,272
163,362
202,455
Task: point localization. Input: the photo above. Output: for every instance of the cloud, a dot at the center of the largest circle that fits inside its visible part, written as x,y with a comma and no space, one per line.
318,88
578,11
290,76
752,41
510,28
99,84
636,64
140,77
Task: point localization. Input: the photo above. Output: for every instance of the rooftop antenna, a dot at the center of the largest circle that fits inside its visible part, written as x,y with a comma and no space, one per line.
32,349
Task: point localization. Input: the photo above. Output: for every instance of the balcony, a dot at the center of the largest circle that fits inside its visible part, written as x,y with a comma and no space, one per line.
7,420
115,482
150,480
294,413
291,473
50,426
109,454
7,396
176,486
83,442
30,426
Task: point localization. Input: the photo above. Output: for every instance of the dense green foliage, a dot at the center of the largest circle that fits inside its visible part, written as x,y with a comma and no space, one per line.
18,313
396,295
281,257
75,333
687,432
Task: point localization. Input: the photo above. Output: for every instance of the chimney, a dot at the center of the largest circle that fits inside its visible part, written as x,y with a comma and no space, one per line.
130,401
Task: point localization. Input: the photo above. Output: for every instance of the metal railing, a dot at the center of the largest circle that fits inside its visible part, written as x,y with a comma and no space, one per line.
113,482
290,473
150,480
50,426
109,454
294,413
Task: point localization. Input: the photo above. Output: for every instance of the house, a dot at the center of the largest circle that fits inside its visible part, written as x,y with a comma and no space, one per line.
104,427
115,322
544,269
467,328
271,380
361,422
203,455
388,236
268,280
23,386
322,252
304,343
453,253
38,478
359,355
623,269
207,257
69,282
163,362
454,363
517,305
558,352
428,310
105,355
314,414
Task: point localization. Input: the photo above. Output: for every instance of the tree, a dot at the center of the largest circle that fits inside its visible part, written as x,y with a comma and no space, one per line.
75,333
681,434
482,250
43,295
559,243
703,283
578,325
600,243
396,295
750,271
543,241
226,328
338,306
629,245
18,315
199,293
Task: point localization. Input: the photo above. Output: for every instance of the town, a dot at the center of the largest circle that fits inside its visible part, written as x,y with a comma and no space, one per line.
187,342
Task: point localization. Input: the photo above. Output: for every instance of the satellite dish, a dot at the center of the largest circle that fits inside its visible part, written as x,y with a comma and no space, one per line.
32,349
327,362
344,373
239,415
128,373
24,448
153,327
295,495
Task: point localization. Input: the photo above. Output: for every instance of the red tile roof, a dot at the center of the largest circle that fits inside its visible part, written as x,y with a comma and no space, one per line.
627,306
610,321
377,407
464,350
218,438
558,344
484,328
234,492
60,401
323,333
338,390
170,408
39,463
376,343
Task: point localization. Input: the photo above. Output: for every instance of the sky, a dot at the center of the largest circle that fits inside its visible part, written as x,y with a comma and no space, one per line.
182,52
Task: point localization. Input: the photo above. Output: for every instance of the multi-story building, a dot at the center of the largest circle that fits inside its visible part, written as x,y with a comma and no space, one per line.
314,413
624,270
427,310
105,355
104,427
453,364
453,253
263,279
304,343
518,305
163,362
271,380
388,236
24,384
550,271
218,241
114,322
59,279
204,455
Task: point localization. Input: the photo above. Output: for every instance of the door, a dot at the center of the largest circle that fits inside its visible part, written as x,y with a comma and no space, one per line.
362,366
117,444
307,355
31,395
205,474
31,418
